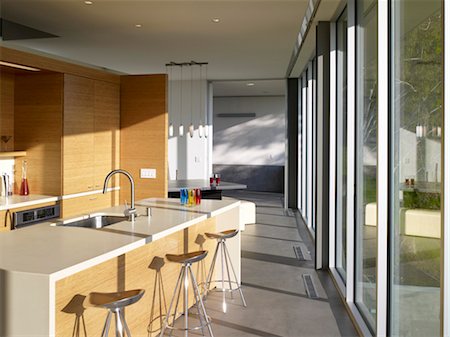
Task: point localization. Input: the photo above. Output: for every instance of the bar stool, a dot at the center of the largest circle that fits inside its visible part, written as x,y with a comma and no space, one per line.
115,303
221,238
186,273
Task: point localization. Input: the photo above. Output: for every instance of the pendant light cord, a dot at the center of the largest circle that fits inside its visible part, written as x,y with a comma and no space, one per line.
181,94
192,81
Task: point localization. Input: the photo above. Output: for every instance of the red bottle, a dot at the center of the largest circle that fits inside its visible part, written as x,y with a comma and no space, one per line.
24,190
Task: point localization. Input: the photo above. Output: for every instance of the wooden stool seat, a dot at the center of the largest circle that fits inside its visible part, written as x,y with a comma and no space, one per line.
115,300
188,257
228,234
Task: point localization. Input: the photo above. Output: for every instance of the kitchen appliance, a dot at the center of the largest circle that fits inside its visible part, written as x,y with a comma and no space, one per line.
33,216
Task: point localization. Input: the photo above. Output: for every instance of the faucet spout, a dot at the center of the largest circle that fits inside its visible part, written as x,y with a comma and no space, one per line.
131,211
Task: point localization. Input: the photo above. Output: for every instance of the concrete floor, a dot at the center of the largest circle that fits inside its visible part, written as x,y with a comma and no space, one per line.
272,282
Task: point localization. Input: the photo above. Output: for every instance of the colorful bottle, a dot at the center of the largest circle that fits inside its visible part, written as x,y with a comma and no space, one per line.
24,190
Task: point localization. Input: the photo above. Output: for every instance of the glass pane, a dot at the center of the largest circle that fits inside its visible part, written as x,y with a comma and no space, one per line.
341,146
366,161
416,121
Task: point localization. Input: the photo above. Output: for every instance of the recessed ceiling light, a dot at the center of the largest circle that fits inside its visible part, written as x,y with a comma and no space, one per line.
215,20
138,25
250,84
88,2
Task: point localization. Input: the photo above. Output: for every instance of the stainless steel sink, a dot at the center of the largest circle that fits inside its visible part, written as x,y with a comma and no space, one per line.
97,221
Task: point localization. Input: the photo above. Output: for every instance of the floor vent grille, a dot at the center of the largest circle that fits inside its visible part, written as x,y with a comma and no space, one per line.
299,253
310,286
302,254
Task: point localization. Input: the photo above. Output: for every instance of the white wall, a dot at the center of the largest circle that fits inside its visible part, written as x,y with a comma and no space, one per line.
189,157
257,140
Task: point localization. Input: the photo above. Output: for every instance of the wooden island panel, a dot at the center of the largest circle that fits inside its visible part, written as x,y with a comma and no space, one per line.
126,272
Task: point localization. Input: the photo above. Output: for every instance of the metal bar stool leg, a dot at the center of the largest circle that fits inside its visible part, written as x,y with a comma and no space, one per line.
224,300
105,331
186,300
166,320
228,269
235,277
125,325
119,325
195,285
174,317
211,270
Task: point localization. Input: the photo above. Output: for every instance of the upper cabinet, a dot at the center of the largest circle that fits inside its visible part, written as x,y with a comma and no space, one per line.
38,102
91,133
78,140
106,131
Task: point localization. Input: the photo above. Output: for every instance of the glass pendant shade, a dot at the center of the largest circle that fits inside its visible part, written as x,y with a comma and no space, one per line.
191,130
206,131
200,130
181,130
171,130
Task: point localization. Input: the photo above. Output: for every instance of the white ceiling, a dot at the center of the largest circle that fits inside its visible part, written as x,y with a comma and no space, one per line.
254,39
241,88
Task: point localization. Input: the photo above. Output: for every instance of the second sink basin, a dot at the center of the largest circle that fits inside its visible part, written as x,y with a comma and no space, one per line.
97,221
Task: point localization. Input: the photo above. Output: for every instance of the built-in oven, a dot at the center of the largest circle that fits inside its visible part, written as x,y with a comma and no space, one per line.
36,215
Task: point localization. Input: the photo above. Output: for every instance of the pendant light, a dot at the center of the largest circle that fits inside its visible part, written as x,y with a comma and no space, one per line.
207,107
191,126
170,102
200,107
181,127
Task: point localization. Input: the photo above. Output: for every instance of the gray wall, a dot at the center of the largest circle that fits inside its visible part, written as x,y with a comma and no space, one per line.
250,150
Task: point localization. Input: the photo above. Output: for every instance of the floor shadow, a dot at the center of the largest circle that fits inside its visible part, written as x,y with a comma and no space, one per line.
76,307
159,303
201,266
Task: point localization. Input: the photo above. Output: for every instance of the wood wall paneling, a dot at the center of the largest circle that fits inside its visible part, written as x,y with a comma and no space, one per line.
78,134
107,132
129,271
7,109
38,102
143,137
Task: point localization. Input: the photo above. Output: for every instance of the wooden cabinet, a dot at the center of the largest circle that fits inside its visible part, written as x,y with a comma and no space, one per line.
91,133
89,203
106,131
78,140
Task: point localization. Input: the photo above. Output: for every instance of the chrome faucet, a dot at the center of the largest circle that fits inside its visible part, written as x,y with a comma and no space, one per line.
130,211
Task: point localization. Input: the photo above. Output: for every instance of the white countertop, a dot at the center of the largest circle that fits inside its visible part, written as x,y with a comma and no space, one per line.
60,251
16,201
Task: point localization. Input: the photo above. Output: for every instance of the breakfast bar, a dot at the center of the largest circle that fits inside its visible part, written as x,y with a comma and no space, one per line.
48,270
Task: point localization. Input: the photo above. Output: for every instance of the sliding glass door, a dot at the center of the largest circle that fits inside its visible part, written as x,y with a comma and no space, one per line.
416,157
366,160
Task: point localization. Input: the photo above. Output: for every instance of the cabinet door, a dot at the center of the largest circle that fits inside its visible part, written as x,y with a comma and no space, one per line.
78,134
107,131
88,204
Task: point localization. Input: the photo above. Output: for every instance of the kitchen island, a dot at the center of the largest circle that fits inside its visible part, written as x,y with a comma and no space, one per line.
48,270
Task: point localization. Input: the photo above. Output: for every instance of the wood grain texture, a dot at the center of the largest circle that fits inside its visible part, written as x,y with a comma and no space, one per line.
53,64
7,109
126,272
6,218
143,137
38,130
78,143
88,204
106,132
